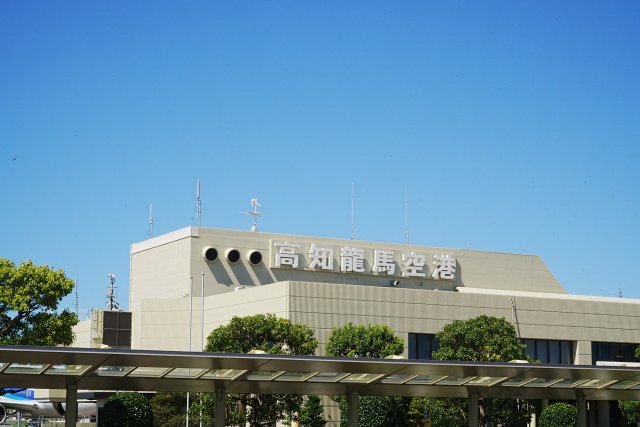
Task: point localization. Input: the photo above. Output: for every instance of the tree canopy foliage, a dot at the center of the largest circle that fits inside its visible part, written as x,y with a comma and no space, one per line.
265,332
169,409
374,341
126,409
630,410
29,298
273,335
311,413
558,415
480,339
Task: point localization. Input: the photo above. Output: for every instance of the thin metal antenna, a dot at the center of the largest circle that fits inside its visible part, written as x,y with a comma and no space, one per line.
406,216
198,205
514,315
254,213
76,301
150,229
112,294
353,207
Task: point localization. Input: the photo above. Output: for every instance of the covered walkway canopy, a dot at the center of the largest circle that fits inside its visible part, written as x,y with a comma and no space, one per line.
141,370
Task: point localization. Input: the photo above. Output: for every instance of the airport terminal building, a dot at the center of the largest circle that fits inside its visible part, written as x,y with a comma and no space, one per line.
188,282
195,279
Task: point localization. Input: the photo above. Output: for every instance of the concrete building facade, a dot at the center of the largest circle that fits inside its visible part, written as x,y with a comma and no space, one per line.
186,283
313,281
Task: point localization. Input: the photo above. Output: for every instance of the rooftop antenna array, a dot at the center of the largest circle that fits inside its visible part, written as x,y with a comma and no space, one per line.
198,204
406,216
254,213
353,206
112,304
150,229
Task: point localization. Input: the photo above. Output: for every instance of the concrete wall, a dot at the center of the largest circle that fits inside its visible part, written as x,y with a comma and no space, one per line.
165,322
556,317
324,306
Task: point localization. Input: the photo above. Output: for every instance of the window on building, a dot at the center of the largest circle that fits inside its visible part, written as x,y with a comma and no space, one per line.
117,329
549,351
612,352
421,346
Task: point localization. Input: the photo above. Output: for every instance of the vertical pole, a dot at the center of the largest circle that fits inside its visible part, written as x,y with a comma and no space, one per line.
353,207
473,410
603,413
190,323
202,309
219,411
544,403
581,406
71,408
353,403
202,332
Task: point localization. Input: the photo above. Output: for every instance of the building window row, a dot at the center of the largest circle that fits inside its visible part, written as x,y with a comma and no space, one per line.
422,346
612,352
558,352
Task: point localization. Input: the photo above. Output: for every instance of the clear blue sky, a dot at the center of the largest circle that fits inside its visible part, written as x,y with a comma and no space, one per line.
513,126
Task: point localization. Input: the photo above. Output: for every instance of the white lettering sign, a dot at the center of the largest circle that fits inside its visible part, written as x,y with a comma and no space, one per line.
445,267
320,257
414,265
286,254
351,259
383,262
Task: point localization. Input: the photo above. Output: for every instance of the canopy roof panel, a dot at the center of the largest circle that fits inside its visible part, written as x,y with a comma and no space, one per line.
138,370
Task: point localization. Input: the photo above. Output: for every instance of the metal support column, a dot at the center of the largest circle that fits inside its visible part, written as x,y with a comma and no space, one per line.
219,410
603,413
581,407
544,403
71,406
473,410
353,403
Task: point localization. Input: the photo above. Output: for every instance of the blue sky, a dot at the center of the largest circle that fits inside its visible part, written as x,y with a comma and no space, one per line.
513,126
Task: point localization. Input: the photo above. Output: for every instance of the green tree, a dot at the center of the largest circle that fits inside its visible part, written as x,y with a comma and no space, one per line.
374,341
273,335
488,339
558,415
637,353
483,338
169,409
442,412
29,298
126,409
311,413
630,410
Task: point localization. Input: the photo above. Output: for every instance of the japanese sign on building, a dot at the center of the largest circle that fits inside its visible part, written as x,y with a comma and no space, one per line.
351,259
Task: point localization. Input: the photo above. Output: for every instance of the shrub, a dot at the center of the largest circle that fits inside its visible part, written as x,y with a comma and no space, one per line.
558,415
630,410
127,409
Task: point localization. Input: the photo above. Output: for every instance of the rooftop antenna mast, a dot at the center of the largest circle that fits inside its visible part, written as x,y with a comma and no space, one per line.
254,213
112,304
76,299
406,216
353,205
150,229
198,205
